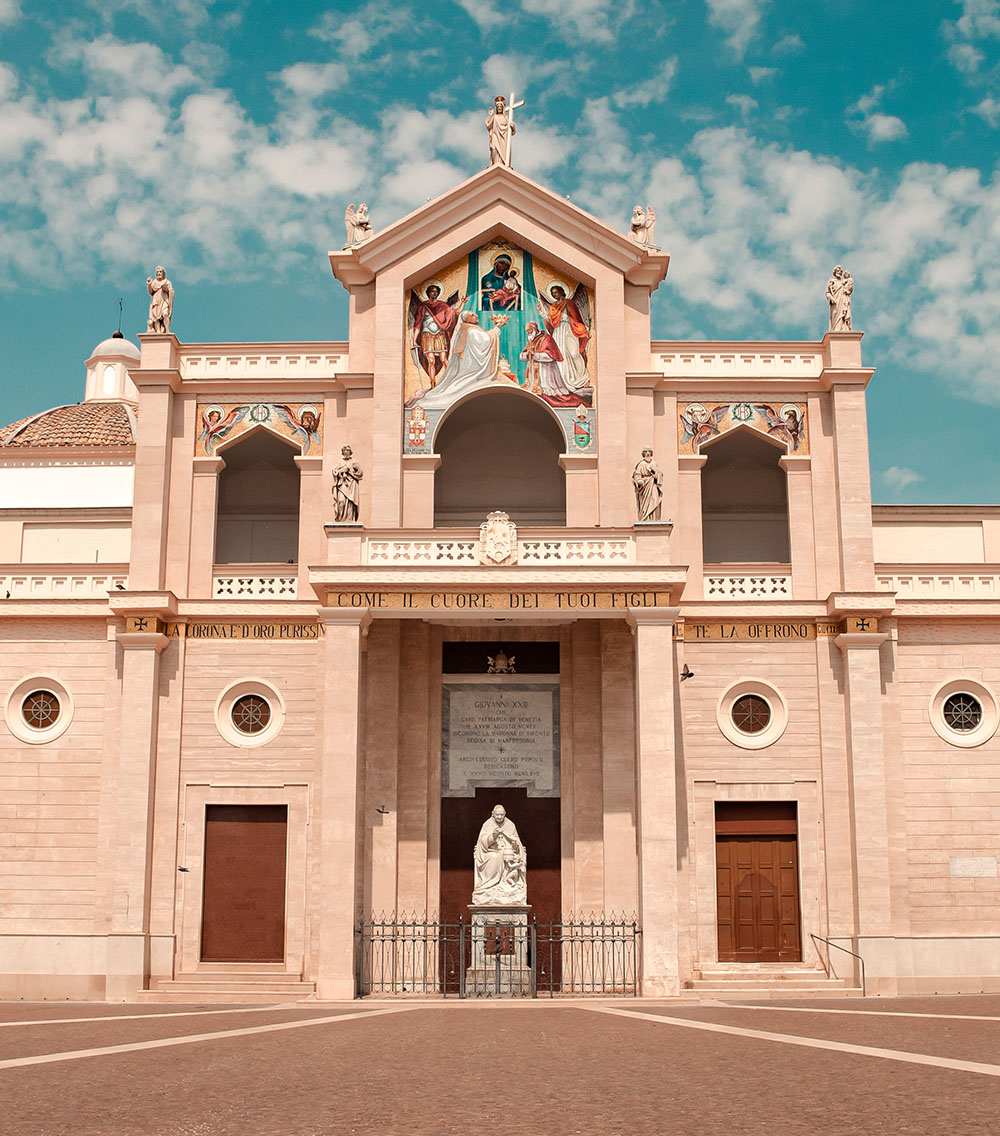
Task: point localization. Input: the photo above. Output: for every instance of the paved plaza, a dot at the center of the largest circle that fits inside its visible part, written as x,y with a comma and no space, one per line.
909,1065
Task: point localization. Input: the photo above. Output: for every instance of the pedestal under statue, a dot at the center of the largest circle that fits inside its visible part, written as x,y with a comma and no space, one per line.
501,958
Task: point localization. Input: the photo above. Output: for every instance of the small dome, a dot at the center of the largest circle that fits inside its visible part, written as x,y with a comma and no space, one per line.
116,345
82,424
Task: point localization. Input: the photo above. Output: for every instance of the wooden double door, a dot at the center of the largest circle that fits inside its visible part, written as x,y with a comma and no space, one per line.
757,876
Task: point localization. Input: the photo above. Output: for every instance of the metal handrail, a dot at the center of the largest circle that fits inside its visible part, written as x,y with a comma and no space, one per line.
838,947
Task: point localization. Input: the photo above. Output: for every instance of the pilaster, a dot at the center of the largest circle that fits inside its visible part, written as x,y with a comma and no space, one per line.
657,791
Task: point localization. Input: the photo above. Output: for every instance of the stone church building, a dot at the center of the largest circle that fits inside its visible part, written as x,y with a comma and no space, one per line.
280,623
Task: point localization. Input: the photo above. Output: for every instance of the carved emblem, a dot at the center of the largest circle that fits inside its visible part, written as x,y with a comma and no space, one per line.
500,664
417,426
498,539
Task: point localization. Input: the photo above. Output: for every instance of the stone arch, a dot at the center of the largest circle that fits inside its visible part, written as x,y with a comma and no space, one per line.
500,449
257,505
744,499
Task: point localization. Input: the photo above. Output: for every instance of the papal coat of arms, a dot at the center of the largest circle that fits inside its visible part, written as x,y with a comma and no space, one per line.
416,426
498,539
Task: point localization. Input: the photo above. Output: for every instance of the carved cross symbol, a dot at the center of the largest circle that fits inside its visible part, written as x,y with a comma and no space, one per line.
140,623
863,624
510,115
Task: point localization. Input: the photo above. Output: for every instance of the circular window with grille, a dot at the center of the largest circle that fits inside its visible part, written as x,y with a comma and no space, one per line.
964,712
39,710
250,712
752,714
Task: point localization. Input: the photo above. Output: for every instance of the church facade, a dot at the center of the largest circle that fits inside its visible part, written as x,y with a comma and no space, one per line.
285,621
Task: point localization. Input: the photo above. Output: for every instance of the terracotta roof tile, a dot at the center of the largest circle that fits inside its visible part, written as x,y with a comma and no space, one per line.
83,424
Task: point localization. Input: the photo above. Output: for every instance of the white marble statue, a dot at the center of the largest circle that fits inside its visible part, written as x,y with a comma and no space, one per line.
346,489
839,289
642,228
647,477
161,303
501,129
358,225
501,863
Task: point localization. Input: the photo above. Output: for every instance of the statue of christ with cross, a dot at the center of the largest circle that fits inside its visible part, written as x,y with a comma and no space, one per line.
501,129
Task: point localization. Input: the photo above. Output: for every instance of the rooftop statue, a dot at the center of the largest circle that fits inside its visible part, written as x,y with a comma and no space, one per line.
839,289
501,129
358,225
161,304
642,228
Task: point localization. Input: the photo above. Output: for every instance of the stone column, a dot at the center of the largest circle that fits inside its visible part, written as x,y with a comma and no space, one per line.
336,903
128,950
689,547
204,499
869,803
657,789
312,506
801,538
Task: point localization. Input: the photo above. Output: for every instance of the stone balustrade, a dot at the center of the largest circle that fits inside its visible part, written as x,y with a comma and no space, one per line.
48,583
748,586
739,361
251,361
529,551
967,585
255,586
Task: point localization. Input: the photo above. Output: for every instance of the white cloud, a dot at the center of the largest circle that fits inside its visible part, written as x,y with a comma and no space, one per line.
759,74
651,90
739,19
366,29
311,80
864,118
118,67
988,110
965,58
596,20
10,11
488,14
979,19
520,73
789,45
899,476
743,103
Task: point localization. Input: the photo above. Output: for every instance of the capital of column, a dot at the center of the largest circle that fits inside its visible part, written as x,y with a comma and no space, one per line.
860,640
691,463
143,641
311,464
207,466
360,617
795,463
637,617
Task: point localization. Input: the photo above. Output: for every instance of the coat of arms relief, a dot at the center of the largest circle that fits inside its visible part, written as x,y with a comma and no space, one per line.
498,539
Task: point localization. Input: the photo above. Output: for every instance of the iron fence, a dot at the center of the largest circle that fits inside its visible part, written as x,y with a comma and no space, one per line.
498,956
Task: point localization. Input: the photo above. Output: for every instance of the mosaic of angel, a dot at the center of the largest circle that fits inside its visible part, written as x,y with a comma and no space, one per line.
215,426
700,425
787,427
431,323
303,426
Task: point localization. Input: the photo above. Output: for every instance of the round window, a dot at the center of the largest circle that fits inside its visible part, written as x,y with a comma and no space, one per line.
251,714
751,714
962,712
40,709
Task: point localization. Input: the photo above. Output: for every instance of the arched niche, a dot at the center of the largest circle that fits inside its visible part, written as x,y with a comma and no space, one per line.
257,512
744,500
500,450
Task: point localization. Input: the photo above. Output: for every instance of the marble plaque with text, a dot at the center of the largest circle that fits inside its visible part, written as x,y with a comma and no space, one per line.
497,732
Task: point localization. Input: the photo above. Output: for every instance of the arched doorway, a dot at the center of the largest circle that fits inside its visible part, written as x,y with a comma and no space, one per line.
744,501
500,450
257,517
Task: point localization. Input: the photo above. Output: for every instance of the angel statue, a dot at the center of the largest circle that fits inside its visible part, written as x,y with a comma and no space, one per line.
567,320
786,427
642,228
359,227
304,425
215,426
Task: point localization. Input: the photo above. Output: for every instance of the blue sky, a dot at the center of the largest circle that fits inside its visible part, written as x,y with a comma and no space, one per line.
773,138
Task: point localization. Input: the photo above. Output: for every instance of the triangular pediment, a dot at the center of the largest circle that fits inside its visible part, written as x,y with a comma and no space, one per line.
500,202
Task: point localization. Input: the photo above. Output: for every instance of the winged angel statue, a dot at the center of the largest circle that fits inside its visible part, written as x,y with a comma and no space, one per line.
358,225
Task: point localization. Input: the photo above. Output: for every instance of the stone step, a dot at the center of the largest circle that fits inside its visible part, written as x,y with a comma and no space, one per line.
730,993
219,997
229,986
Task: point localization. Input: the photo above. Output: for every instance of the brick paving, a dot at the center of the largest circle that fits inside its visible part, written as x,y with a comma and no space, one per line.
541,1068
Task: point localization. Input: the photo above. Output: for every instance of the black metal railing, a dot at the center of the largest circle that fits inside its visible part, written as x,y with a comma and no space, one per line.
498,956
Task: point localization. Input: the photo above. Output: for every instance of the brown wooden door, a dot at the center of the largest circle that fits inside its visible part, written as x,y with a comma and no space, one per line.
758,898
243,913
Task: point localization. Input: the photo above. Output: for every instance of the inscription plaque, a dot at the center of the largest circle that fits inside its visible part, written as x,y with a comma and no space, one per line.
500,733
